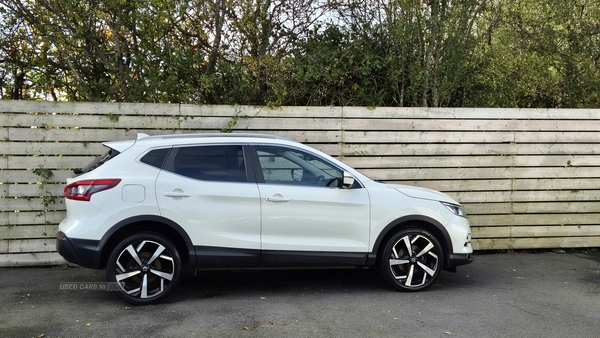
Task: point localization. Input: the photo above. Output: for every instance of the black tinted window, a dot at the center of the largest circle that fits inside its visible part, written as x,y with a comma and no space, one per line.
211,163
155,158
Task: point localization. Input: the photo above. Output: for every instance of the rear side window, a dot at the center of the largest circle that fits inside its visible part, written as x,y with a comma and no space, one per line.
156,157
97,162
211,163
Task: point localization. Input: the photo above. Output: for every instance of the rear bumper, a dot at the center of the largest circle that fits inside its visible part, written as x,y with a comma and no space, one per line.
77,251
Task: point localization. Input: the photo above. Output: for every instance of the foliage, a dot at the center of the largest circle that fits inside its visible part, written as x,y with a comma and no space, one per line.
479,53
540,54
47,199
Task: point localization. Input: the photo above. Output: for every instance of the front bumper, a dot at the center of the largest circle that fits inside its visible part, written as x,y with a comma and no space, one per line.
455,260
77,251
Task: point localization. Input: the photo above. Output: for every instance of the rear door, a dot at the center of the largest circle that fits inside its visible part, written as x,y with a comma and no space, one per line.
208,191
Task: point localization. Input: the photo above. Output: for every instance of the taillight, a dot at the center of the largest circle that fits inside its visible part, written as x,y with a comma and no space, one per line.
83,190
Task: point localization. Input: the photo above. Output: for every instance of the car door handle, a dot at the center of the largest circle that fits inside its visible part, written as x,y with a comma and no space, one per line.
176,193
277,198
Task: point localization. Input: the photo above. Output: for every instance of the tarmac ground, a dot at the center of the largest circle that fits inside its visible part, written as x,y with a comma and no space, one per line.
549,294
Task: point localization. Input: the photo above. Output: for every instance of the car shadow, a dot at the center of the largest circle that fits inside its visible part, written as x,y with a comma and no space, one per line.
242,283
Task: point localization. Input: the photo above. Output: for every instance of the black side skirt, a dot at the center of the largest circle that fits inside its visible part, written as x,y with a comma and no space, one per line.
215,257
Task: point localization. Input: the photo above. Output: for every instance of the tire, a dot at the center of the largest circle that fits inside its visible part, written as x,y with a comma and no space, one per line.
144,268
411,260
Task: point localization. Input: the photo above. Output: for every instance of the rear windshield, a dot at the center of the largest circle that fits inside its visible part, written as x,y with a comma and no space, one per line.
97,162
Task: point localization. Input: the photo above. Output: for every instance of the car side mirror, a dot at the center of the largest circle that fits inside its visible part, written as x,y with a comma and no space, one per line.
297,174
348,180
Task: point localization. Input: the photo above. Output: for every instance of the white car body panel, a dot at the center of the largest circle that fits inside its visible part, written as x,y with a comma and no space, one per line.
219,214
109,208
314,218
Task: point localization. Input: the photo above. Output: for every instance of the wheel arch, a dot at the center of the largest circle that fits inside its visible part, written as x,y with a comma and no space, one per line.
151,223
413,221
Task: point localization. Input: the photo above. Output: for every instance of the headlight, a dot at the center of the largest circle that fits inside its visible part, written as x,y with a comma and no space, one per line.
455,209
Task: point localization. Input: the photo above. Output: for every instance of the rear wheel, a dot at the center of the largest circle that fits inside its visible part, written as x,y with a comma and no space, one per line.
412,259
144,268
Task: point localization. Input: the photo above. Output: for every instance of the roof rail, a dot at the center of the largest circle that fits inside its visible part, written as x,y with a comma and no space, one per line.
202,135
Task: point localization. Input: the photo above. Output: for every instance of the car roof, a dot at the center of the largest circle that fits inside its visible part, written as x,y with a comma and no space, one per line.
146,140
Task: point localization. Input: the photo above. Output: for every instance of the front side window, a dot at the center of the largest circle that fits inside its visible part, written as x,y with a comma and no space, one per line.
211,163
281,165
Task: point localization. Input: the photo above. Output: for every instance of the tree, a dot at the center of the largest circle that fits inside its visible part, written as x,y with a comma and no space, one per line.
499,53
539,54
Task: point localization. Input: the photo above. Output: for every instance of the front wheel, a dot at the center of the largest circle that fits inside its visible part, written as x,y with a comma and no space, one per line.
412,259
144,268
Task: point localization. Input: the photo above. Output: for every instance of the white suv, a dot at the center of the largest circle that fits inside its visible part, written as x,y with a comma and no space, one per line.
156,205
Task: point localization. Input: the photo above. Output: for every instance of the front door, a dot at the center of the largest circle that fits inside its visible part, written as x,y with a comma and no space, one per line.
307,218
